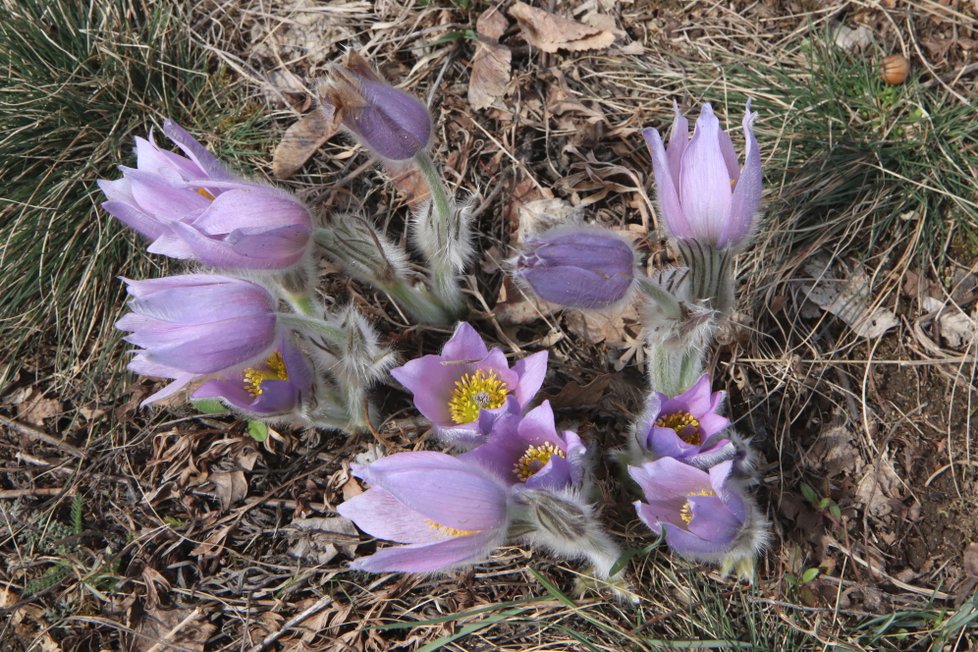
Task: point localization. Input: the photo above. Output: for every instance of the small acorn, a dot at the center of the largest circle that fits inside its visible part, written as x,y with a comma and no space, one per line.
894,69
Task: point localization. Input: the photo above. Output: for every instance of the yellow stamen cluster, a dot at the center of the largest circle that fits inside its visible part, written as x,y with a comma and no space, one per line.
205,193
685,424
686,513
274,369
483,390
448,531
534,459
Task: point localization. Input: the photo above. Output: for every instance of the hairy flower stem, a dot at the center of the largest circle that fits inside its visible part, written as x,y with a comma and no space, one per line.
444,277
332,337
673,370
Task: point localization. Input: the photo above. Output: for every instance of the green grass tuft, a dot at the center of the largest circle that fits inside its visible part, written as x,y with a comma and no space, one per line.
80,80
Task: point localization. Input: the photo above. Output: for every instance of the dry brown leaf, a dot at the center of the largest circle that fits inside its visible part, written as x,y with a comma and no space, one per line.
301,141
848,298
607,326
833,452
491,70
213,545
37,408
551,32
958,329
317,540
172,630
491,23
877,486
229,487
541,215
573,394
514,307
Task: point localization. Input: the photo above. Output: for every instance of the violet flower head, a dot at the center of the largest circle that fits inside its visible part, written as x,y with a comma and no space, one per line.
704,193
392,123
529,450
448,511
274,386
192,207
700,513
196,324
578,267
464,389
686,427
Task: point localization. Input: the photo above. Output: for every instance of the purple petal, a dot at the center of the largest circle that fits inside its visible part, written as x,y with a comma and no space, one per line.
432,383
378,513
465,344
668,478
712,520
678,140
197,152
687,544
431,557
392,123
159,197
531,371
704,182
252,207
673,214
746,198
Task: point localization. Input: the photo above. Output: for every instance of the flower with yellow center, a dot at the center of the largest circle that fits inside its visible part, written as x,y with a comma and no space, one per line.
534,459
273,369
686,426
686,511
482,390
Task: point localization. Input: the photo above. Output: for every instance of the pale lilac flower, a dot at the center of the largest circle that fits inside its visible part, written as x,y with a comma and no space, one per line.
528,450
392,123
193,325
465,388
704,193
449,512
192,207
687,427
276,385
578,267
700,513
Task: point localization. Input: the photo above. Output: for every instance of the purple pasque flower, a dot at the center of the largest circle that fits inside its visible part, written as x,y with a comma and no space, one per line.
577,267
192,207
701,514
528,450
465,388
704,193
449,511
196,324
392,123
687,427
274,386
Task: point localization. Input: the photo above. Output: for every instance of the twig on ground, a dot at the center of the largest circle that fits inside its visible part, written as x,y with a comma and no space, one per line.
38,435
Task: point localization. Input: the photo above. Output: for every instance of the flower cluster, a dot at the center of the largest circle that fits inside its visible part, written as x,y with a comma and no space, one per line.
223,329
519,479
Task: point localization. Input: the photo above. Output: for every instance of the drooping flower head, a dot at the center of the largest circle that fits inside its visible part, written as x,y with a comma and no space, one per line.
703,514
687,427
390,122
194,325
274,386
529,450
578,267
465,388
192,207
449,512
704,193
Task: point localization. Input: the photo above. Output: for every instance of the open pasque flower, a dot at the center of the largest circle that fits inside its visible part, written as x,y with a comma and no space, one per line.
448,511
390,122
704,193
686,427
578,267
194,325
274,386
464,389
192,207
528,450
704,515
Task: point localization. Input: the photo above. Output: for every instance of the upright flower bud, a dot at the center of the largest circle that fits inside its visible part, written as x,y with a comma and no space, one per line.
390,122
704,193
577,267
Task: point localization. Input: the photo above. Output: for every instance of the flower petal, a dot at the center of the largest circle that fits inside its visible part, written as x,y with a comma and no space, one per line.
667,188
704,185
430,557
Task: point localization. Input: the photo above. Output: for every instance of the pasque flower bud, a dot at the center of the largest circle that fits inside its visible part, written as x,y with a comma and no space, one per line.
578,267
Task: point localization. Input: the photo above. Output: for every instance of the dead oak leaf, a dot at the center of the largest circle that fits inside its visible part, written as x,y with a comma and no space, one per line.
170,630
550,32
301,140
229,487
491,72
